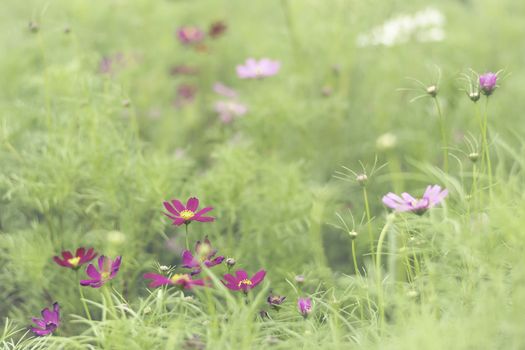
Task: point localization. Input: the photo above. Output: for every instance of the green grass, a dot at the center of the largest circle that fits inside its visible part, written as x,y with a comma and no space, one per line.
79,167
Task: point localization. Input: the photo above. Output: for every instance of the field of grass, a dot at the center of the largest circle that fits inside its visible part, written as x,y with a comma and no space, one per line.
105,114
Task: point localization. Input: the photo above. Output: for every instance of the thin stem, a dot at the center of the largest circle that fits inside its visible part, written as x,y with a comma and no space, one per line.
486,144
82,298
187,242
369,224
444,141
382,235
354,257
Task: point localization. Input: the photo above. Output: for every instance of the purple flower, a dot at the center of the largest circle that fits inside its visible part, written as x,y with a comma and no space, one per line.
183,280
107,270
224,90
204,254
433,195
185,95
181,214
48,323
74,262
189,35
217,29
487,83
254,69
229,110
305,306
241,281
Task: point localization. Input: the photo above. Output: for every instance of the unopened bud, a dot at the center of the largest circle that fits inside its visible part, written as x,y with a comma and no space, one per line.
230,262
146,310
353,234
474,156
164,268
474,96
299,279
386,142
432,90
33,26
362,179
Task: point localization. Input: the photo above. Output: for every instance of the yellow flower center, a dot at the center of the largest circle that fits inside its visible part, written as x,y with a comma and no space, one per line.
104,275
245,282
187,214
178,276
74,261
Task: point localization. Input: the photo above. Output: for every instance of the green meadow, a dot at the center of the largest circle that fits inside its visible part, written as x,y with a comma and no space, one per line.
110,108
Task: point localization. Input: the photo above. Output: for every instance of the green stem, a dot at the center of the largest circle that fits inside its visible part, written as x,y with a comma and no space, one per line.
444,141
368,219
382,235
354,257
187,242
486,144
82,298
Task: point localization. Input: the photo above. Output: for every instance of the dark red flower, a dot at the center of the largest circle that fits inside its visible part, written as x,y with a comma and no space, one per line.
75,261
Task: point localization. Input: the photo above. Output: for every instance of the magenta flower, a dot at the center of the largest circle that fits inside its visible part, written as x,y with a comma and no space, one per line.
107,270
305,306
487,83
241,281
74,262
254,69
181,214
230,110
48,323
183,280
204,254
185,95
217,29
433,195
190,35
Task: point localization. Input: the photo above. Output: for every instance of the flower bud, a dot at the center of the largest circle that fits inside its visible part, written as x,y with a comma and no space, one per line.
474,96
487,83
474,156
230,262
33,26
299,279
432,90
362,179
386,142
164,268
353,234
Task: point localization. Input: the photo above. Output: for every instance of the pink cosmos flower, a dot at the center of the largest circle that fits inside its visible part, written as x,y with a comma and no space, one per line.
224,90
230,110
487,83
305,306
74,262
433,195
48,323
241,281
107,270
183,280
181,214
254,69
190,35
204,255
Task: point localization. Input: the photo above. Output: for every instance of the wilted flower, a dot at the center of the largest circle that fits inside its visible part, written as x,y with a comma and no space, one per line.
48,323
254,69
433,195
183,70
487,83
189,35
204,255
229,110
275,301
241,281
217,29
305,306
185,95
75,261
183,280
181,214
107,270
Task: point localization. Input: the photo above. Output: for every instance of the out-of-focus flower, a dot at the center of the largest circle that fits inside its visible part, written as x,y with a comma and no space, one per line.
224,90
230,110
181,214
241,281
48,323
256,69
487,83
275,301
386,142
116,237
183,70
433,195
194,343
189,35
182,280
75,261
217,29
204,255
109,64
299,279
107,270
185,95
305,306
33,26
